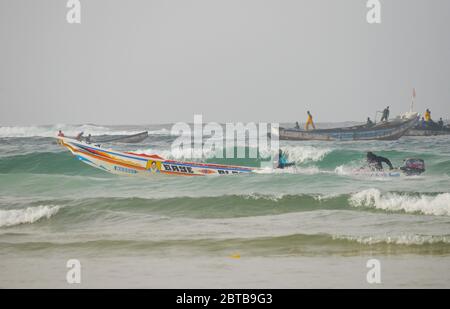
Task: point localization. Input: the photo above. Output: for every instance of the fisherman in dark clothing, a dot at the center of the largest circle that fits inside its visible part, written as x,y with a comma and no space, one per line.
375,162
79,136
385,116
369,122
88,139
440,123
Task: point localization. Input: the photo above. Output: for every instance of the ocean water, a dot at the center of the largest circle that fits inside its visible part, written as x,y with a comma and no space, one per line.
314,225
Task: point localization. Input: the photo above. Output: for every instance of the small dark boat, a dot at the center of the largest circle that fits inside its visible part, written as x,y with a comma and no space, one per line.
129,139
389,130
134,138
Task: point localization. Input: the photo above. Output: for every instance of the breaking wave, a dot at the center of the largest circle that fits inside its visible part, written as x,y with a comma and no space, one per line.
438,205
13,217
407,239
301,154
297,154
70,130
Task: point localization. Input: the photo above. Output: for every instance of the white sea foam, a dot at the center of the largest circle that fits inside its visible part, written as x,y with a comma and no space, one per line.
354,169
325,197
343,170
270,197
408,239
438,205
13,217
299,154
312,170
302,154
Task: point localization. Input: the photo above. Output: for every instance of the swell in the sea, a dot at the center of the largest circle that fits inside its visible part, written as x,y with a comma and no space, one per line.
289,245
308,158
226,206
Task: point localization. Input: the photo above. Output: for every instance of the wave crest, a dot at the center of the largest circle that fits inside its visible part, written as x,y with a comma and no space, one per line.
297,154
406,240
69,130
302,154
13,217
438,205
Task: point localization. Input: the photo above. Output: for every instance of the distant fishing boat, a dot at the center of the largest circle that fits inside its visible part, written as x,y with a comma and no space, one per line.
389,130
429,131
132,138
430,128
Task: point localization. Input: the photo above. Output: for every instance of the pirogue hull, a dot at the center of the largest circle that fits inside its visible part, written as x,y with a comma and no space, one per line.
133,138
383,131
428,132
134,164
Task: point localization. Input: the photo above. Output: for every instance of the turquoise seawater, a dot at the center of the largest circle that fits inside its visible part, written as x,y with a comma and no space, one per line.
311,219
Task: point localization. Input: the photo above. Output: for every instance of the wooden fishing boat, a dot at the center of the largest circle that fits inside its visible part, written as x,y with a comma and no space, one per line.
136,164
133,138
428,131
389,130
129,139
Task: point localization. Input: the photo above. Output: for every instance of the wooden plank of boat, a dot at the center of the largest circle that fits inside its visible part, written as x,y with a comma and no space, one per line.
391,130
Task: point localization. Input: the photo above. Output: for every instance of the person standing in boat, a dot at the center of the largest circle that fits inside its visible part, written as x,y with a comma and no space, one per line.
385,116
441,123
309,122
423,123
297,126
428,116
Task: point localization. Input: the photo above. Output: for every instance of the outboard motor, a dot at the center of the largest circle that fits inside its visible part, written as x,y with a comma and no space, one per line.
413,167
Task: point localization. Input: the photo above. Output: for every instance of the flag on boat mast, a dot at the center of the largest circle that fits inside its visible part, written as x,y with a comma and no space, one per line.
413,98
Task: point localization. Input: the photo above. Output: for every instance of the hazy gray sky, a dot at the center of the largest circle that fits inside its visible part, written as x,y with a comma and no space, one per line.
154,61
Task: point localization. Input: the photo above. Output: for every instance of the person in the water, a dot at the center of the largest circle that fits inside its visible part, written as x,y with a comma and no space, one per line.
376,162
282,160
